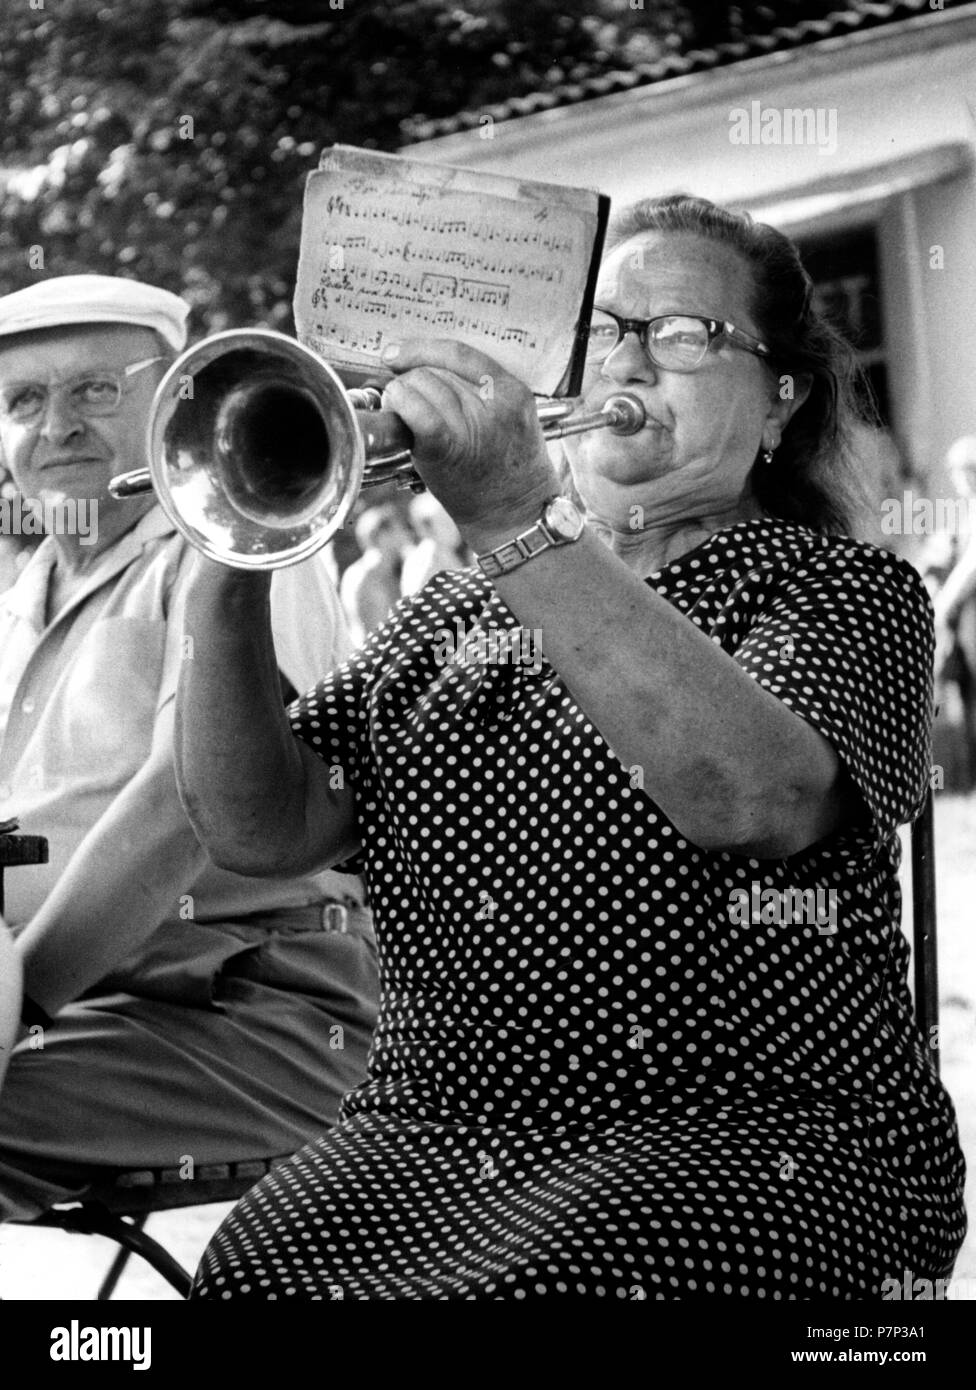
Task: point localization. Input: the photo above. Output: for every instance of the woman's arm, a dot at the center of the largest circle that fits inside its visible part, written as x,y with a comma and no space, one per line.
260,801
730,765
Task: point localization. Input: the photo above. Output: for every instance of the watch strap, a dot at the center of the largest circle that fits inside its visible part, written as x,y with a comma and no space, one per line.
516,551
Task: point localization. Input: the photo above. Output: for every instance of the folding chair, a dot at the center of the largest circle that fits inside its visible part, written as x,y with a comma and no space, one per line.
119,1207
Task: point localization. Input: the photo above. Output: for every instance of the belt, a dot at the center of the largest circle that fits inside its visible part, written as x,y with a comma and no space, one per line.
347,915
342,915
335,917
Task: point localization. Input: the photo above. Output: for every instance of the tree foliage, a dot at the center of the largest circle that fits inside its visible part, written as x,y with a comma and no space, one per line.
170,139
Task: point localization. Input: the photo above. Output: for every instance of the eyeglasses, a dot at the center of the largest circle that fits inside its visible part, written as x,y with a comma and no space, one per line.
91,395
676,342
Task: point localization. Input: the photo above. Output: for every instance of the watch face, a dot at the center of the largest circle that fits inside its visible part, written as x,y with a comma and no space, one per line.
563,519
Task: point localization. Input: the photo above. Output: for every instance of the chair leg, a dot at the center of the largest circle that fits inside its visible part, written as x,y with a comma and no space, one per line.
117,1268
94,1219
924,926
133,1239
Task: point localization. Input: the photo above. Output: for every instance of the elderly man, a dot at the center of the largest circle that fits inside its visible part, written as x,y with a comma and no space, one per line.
175,1014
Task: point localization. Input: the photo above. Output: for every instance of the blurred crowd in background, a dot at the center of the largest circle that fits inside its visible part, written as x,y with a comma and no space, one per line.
391,549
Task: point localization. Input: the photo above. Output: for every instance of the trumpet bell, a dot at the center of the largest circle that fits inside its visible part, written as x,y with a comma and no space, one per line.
254,447
258,450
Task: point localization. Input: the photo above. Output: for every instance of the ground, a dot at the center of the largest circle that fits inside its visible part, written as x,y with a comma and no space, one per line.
40,1264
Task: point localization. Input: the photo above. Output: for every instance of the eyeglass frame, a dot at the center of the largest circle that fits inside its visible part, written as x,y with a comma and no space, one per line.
116,374
716,328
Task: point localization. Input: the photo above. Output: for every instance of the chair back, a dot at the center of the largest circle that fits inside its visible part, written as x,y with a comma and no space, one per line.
925,951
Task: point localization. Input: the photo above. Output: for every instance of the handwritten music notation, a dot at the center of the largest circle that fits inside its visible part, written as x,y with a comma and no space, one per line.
423,288
458,258
370,335
395,248
339,206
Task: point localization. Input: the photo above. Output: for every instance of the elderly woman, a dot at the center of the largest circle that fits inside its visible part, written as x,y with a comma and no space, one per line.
645,1029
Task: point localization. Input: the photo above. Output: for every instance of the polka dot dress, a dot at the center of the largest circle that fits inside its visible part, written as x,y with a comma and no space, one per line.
603,1066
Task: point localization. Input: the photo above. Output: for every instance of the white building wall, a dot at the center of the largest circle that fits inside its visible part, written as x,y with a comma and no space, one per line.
946,324
895,92
904,103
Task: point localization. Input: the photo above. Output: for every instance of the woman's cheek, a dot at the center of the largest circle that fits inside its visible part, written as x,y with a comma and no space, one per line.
720,418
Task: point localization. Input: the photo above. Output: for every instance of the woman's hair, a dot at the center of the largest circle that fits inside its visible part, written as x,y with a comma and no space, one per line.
813,478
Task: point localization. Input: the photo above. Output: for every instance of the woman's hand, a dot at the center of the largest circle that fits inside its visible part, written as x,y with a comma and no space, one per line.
478,445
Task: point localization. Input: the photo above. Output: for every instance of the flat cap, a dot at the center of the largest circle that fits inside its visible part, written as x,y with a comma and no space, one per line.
73,299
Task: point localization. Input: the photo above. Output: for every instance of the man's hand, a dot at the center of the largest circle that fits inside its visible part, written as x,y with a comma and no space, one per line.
11,983
478,443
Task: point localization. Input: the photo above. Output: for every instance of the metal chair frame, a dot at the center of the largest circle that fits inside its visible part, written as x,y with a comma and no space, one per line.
119,1207
925,945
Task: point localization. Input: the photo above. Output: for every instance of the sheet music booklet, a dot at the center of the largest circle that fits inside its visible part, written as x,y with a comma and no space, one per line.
394,248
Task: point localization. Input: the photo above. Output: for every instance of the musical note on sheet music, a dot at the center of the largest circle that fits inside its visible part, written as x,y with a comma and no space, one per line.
395,248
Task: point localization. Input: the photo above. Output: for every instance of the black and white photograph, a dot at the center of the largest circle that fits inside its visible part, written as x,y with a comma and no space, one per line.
487,679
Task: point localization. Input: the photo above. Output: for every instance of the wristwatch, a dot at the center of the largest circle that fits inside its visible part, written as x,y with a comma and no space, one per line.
560,523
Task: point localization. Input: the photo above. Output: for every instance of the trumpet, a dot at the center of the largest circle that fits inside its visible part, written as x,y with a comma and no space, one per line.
257,449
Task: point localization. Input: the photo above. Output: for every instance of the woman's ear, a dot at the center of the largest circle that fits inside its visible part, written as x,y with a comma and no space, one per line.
789,393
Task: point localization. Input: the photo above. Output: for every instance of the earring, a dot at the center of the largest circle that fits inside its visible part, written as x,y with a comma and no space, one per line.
768,457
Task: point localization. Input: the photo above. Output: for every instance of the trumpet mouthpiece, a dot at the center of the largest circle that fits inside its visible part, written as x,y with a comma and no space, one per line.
627,413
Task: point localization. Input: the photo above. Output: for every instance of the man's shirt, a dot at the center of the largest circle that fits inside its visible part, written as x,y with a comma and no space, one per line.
79,700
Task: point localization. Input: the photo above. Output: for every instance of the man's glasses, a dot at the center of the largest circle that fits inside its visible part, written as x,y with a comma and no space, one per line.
92,395
676,342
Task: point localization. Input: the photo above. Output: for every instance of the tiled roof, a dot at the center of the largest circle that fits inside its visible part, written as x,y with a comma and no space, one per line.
859,16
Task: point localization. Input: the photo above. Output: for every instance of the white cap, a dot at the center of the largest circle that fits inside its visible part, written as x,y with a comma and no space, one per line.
71,299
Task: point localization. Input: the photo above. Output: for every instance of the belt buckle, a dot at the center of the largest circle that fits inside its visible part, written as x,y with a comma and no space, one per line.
335,917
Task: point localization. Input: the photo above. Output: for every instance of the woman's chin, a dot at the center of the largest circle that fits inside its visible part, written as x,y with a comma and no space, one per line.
626,461
620,470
